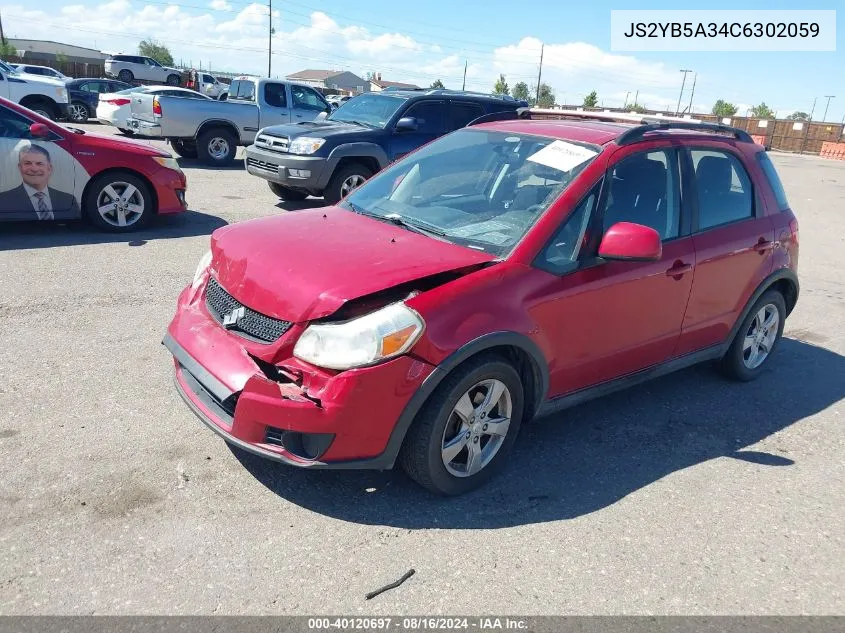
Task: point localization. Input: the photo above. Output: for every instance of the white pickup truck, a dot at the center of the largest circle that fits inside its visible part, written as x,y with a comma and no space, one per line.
212,130
47,97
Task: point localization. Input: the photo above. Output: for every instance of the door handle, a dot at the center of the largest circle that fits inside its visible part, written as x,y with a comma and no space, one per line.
763,245
678,269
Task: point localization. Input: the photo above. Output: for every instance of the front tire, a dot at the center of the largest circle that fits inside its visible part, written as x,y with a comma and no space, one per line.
756,339
173,80
286,193
78,112
186,149
119,202
462,436
345,181
44,108
217,147
125,76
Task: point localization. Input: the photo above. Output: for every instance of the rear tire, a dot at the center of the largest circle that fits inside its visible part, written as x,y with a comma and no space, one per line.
286,193
118,197
217,147
430,453
126,76
186,149
758,336
78,112
343,181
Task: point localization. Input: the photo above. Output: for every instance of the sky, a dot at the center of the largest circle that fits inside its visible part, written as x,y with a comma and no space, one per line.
419,42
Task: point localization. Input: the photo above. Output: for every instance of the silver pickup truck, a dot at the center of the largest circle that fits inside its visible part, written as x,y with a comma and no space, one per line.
213,130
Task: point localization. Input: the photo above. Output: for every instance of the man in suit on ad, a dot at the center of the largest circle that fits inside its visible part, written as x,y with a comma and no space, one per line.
34,193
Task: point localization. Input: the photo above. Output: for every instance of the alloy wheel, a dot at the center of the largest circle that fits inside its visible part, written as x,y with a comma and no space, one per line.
476,428
761,336
78,112
120,204
350,184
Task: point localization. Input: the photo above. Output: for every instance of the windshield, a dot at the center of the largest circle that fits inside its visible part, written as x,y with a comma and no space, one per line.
370,110
481,189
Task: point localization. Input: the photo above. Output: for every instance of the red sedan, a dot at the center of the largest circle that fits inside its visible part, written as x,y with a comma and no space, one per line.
507,270
53,172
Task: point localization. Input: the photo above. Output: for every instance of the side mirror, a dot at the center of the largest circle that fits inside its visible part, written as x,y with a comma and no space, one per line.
407,124
39,130
631,242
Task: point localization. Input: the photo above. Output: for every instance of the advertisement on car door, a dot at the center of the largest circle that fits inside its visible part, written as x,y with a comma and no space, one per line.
39,180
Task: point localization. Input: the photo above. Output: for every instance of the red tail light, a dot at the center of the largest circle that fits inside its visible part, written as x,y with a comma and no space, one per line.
156,107
118,102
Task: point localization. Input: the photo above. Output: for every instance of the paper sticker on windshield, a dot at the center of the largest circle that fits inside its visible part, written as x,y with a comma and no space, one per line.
562,155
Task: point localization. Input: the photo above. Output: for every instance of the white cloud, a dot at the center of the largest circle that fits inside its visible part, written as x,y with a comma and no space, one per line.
220,5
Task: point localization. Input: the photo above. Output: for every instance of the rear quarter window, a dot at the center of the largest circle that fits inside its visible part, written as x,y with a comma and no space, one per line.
774,180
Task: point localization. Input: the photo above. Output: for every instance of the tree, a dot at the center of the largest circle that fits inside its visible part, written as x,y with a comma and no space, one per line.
799,116
591,100
638,109
520,91
159,52
546,98
723,108
762,111
7,50
501,87
438,84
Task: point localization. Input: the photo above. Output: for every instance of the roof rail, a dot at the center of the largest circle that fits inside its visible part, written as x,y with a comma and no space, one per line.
503,115
635,134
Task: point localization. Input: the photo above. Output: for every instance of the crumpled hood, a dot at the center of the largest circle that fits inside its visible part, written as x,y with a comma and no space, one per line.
304,265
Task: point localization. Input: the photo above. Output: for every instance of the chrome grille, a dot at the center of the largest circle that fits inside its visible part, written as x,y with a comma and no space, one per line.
251,324
278,144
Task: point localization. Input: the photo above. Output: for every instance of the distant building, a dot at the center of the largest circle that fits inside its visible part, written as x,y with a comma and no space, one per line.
377,84
38,51
334,79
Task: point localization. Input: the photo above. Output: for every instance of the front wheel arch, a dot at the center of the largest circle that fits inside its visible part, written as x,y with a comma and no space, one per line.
517,348
121,170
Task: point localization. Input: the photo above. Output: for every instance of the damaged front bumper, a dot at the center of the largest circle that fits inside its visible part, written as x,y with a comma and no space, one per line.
289,412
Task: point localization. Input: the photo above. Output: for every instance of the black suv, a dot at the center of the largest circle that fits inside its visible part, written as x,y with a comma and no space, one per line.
333,156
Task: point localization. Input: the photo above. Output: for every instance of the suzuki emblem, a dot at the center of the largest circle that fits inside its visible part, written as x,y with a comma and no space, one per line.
231,320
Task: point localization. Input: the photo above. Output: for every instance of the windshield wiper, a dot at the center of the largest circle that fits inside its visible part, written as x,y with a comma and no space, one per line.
418,226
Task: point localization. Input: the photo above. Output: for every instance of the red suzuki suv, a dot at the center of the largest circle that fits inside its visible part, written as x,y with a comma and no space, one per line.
507,270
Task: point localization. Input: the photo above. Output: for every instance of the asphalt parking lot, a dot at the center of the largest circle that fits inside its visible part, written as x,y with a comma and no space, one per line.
689,495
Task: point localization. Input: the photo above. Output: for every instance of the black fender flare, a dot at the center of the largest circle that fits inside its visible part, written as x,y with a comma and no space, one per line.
352,150
480,344
778,275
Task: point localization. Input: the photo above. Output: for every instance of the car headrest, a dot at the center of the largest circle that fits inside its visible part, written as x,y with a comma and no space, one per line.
714,174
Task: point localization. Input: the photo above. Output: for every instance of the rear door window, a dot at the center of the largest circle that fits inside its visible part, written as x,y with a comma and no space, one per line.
462,112
274,95
724,188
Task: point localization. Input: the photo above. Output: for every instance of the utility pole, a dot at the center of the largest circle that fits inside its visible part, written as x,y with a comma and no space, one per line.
828,97
270,44
2,34
680,96
813,109
694,79
807,130
465,76
635,98
539,75
626,100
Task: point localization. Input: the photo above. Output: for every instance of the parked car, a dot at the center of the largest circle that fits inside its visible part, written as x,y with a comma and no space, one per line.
45,71
128,68
507,270
48,97
85,96
114,109
63,173
213,131
210,86
330,158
